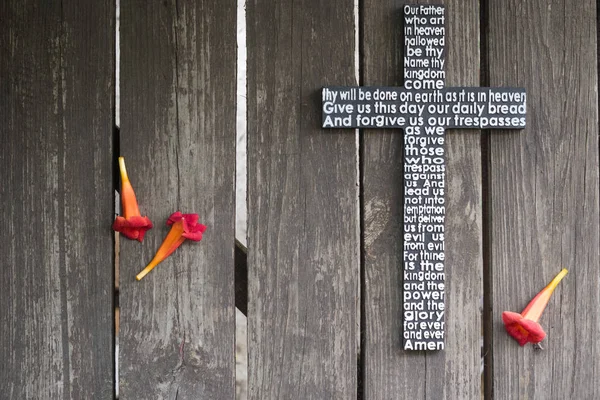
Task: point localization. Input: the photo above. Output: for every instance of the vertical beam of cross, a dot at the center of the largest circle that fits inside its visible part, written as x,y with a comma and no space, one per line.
424,108
424,180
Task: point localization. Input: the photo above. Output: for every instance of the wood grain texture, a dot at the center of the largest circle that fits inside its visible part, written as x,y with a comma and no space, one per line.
56,273
177,334
303,236
390,372
544,197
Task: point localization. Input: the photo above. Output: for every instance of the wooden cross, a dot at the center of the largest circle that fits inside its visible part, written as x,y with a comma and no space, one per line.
424,108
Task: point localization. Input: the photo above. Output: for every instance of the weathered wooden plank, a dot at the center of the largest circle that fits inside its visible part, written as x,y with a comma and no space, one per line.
56,273
303,237
177,334
390,372
544,197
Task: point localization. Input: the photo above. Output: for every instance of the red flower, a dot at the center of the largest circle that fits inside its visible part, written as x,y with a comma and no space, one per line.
131,224
524,327
183,226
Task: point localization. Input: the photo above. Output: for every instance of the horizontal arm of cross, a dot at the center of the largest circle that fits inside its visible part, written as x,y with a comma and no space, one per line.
398,107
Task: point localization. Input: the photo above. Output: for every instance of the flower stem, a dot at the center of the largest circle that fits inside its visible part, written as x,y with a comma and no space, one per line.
148,268
124,177
129,203
536,307
169,245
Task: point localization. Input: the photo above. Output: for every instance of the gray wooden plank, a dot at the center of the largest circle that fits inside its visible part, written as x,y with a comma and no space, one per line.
177,328
303,230
56,273
391,372
544,197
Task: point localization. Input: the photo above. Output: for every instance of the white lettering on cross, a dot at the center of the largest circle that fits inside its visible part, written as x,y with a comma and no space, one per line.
424,108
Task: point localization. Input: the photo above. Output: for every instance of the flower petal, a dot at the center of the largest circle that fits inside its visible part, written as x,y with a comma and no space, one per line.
191,219
521,329
132,227
191,228
139,222
195,233
176,216
536,332
509,317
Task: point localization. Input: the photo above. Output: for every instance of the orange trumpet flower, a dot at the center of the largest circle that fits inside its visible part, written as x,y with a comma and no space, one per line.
524,327
183,226
131,224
